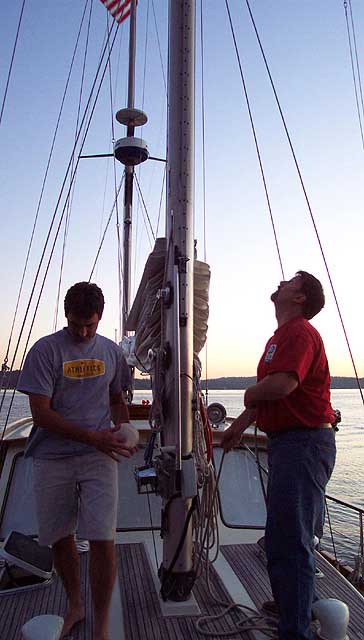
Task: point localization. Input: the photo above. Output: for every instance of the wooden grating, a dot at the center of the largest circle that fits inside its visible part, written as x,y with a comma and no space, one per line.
143,618
16,609
142,615
248,562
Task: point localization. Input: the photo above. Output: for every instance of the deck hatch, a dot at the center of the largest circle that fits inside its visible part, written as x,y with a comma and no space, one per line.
241,499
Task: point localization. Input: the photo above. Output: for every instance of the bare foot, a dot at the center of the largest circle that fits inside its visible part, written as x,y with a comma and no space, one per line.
72,617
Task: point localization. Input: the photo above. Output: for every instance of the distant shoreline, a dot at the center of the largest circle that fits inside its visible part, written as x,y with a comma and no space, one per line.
337,382
222,384
236,383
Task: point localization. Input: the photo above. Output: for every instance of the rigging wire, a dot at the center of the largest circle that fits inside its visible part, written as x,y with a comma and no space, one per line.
50,156
147,29
356,56
54,242
69,203
159,48
203,130
146,58
299,173
331,530
136,234
253,621
152,530
161,199
146,212
54,218
143,93
106,227
165,89
202,45
52,249
109,155
353,67
12,61
259,464
254,136
119,251
121,26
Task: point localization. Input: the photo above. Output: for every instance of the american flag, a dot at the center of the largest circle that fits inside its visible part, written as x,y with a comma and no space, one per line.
119,9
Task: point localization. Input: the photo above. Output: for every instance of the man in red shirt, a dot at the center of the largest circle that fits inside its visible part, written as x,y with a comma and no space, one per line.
291,403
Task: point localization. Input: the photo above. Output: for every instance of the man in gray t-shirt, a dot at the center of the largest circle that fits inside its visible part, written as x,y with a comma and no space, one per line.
74,379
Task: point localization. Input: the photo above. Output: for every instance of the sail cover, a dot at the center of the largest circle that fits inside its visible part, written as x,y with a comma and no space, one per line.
145,315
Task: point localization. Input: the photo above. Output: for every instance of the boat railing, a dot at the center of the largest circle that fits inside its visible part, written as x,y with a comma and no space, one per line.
341,541
14,429
356,509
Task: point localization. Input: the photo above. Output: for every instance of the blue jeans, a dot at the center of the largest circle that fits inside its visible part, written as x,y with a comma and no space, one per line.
300,464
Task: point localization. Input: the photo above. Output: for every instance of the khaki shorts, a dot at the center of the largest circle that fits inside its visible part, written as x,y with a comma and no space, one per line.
76,494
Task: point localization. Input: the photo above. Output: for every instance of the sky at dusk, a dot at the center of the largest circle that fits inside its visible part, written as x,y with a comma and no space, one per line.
306,46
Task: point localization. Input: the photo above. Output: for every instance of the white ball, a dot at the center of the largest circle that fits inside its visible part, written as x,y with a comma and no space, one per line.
128,435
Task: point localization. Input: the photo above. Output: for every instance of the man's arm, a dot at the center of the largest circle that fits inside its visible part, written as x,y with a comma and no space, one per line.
118,408
45,417
274,386
232,436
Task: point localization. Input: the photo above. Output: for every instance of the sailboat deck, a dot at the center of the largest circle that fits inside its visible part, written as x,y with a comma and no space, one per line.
17,608
140,604
248,562
141,615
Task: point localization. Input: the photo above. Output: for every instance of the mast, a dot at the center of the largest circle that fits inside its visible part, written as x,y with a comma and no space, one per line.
129,176
179,316
130,151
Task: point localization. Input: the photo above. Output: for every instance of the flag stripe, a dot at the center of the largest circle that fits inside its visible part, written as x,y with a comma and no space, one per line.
117,5
119,9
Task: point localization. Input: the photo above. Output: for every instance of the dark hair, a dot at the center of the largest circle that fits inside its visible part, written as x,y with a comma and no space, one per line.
84,299
315,297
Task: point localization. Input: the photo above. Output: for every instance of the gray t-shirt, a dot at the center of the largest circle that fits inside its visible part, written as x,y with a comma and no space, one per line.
78,377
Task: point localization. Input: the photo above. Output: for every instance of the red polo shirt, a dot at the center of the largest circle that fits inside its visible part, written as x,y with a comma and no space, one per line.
296,347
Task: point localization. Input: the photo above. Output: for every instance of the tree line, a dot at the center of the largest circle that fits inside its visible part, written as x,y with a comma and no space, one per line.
9,379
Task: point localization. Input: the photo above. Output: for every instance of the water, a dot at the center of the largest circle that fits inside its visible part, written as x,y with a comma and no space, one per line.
347,482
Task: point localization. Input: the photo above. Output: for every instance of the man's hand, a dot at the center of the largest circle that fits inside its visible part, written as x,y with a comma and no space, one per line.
108,441
232,436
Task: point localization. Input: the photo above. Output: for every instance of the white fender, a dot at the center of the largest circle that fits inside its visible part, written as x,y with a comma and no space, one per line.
333,616
46,627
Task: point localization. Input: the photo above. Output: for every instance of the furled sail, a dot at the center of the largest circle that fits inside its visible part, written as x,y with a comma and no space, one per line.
145,315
